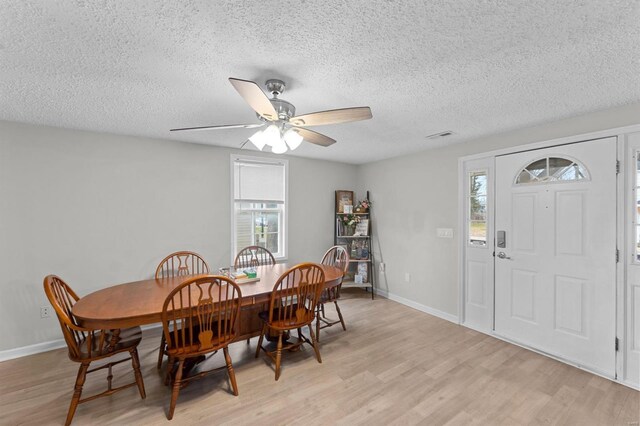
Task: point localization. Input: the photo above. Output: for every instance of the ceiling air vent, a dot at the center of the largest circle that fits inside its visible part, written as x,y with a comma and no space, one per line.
440,135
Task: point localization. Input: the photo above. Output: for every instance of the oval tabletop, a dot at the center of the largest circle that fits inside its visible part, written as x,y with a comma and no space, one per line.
140,302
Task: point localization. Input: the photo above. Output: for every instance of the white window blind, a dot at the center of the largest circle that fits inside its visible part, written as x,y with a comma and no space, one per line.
259,204
259,181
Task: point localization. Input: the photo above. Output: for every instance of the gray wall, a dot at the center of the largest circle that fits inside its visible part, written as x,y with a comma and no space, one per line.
99,209
413,195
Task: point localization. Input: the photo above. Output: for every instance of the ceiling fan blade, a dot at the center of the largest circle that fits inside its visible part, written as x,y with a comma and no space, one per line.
226,126
333,116
255,97
315,137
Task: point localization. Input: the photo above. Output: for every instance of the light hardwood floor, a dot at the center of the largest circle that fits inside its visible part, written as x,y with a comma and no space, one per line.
394,365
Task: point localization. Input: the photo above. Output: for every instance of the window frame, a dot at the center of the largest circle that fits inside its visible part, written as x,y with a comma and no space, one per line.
284,225
547,158
469,174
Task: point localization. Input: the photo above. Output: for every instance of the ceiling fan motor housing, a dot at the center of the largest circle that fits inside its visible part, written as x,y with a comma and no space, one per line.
284,109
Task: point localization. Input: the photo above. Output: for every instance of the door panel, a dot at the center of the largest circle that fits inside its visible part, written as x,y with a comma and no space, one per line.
477,306
569,236
631,342
477,284
523,295
524,222
555,280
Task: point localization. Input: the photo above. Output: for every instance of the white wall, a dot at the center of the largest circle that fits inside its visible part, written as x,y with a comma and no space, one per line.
99,209
413,195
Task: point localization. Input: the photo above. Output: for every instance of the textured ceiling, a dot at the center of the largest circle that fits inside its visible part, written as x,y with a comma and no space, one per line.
474,67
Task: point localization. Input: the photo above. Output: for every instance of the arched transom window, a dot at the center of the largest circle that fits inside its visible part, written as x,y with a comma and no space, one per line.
552,169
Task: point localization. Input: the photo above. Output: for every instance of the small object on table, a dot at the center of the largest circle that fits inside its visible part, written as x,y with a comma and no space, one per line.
238,275
250,272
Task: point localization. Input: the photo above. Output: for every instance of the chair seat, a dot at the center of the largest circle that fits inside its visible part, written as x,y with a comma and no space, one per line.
128,338
286,323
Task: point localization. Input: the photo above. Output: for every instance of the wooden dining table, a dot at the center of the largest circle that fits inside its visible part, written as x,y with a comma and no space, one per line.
140,302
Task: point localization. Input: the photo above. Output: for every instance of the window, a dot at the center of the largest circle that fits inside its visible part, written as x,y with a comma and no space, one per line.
552,169
477,218
259,210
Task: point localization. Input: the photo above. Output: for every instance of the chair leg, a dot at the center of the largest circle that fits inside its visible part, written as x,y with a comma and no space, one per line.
344,327
232,374
322,307
264,330
176,389
135,361
278,354
161,351
318,321
314,343
77,391
167,377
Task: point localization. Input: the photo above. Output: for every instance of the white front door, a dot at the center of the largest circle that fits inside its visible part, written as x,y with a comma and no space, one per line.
555,274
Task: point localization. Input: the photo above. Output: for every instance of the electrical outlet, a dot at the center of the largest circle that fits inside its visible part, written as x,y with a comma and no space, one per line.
45,311
407,277
444,232
381,267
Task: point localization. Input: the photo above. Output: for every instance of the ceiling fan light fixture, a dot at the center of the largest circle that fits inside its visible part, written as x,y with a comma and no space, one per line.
271,135
293,139
279,147
258,139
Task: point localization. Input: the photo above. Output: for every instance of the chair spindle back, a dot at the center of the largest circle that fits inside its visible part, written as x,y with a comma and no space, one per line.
336,256
295,296
339,257
82,342
182,263
201,313
253,256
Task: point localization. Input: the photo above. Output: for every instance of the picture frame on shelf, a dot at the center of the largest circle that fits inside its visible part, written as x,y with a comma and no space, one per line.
363,271
343,198
362,228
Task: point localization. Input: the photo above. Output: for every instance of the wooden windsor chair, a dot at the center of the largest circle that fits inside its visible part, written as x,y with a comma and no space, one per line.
200,316
180,263
292,306
252,256
336,256
87,345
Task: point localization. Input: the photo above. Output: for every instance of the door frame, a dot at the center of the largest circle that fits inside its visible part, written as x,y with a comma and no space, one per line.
622,231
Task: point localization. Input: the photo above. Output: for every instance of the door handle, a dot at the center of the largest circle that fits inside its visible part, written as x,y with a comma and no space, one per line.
502,255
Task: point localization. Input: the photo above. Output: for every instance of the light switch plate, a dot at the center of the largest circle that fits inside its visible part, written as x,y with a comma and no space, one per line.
444,232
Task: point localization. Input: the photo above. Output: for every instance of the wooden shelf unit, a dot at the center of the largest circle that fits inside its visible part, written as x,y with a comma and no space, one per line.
360,242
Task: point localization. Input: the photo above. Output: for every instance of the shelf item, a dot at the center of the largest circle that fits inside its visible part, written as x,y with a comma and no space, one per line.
351,284
343,198
353,232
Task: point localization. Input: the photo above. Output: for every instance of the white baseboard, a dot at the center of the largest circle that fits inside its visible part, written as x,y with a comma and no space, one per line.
418,306
37,348
31,349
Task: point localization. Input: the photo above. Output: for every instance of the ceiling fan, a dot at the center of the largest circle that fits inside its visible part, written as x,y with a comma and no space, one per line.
285,130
